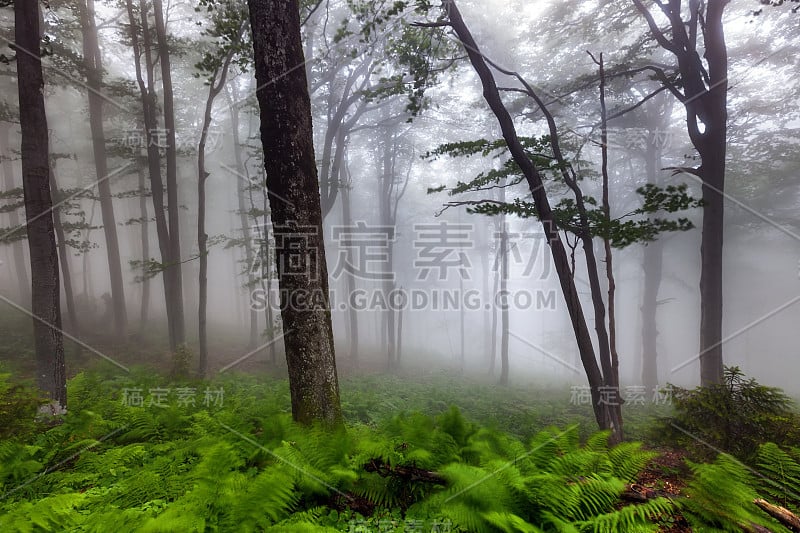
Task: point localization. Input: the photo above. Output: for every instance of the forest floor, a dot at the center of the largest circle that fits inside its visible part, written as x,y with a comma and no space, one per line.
142,467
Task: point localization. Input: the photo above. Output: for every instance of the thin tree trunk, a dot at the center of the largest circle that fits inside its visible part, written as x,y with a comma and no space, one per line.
63,254
653,261
505,303
387,179
487,334
350,281
149,104
287,140
48,339
606,417
612,378
202,240
17,250
495,289
399,350
145,238
503,289
94,72
173,270
217,83
243,219
705,99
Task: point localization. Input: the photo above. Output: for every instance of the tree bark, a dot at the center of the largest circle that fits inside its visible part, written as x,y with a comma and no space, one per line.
287,139
217,84
243,219
705,99
350,280
653,264
607,416
612,377
386,187
504,291
17,251
173,268
94,72
145,79
63,254
145,239
46,309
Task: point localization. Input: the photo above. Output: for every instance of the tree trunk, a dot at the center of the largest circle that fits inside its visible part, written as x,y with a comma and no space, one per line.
606,416
145,238
705,99
63,254
653,263
495,289
350,281
18,253
202,241
149,106
94,71
504,304
287,140
217,83
243,219
173,270
503,290
612,376
387,180
46,311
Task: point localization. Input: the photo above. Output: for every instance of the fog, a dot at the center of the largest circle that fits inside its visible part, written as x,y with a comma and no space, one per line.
398,249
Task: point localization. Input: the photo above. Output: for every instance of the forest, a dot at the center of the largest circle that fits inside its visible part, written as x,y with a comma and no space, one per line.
465,266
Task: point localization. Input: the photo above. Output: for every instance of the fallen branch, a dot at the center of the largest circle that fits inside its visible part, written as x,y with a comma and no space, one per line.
781,514
408,473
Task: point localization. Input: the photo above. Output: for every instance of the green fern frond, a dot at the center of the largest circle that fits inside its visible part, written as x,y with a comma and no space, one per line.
781,473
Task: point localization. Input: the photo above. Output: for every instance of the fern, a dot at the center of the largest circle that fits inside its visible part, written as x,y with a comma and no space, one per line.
781,475
721,495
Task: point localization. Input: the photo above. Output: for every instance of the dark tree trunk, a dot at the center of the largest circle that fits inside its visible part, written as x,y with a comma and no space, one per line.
17,251
705,99
287,139
63,254
612,376
606,415
94,72
217,83
173,270
48,339
202,241
146,81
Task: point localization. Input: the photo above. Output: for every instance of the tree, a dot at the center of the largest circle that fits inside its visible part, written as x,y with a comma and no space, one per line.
530,163
46,309
92,62
143,47
173,268
228,28
8,182
704,96
606,415
287,140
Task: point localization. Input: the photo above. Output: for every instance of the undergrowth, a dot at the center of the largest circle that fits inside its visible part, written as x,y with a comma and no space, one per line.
407,461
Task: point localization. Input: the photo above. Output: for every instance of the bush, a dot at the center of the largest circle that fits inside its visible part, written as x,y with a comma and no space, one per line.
18,405
734,417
